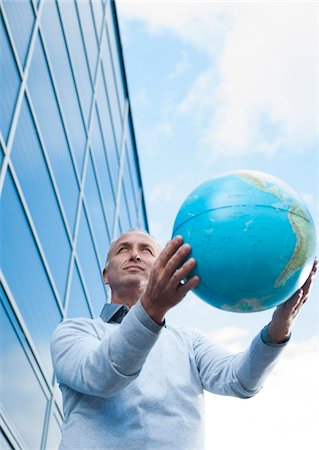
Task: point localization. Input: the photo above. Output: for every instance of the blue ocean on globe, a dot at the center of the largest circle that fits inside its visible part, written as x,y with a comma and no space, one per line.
253,239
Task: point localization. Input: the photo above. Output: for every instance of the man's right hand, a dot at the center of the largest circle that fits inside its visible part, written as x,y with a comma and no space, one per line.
166,287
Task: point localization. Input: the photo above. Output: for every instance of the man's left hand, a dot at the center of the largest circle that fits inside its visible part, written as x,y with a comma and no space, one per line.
282,320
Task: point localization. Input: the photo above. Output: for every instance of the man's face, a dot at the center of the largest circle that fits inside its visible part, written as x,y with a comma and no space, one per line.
130,260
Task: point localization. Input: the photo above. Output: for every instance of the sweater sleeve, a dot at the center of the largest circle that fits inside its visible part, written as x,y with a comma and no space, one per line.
98,367
241,375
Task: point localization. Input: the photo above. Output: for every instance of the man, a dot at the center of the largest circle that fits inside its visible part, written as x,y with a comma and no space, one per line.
135,383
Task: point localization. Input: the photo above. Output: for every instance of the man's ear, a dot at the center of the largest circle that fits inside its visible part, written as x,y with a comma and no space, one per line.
105,277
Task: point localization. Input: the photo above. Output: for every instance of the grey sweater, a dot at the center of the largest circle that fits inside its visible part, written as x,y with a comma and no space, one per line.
137,385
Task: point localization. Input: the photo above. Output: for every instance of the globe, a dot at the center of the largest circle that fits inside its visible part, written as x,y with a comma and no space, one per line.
252,237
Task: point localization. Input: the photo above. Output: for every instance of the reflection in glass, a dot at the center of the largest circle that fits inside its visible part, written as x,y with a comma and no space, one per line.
23,399
95,211
102,167
90,267
4,443
129,190
51,27
110,87
78,306
98,16
24,272
125,221
115,55
136,182
107,130
90,37
50,124
9,81
54,434
34,178
80,67
21,22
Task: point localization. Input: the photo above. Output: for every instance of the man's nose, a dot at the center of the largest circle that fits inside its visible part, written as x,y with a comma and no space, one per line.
135,256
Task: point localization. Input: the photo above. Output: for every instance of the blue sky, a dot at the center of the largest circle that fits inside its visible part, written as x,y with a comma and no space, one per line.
218,86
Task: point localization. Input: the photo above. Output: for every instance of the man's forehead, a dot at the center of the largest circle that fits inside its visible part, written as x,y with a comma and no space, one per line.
135,236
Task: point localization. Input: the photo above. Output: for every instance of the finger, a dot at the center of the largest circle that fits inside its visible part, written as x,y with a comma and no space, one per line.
307,285
169,250
180,274
176,261
189,285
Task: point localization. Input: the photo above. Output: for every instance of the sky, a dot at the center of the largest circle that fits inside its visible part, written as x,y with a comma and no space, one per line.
219,86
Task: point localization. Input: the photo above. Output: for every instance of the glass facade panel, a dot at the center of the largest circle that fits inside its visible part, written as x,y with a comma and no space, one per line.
25,274
125,221
96,211
129,191
63,74
1,156
110,87
90,37
133,168
102,167
9,81
74,38
107,130
98,10
78,306
50,124
4,443
112,33
23,400
90,266
21,22
54,434
33,175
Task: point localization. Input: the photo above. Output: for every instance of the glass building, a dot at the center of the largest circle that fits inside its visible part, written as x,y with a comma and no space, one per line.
70,182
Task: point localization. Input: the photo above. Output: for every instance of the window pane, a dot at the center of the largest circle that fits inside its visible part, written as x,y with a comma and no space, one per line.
78,306
133,169
98,151
74,38
4,443
25,274
54,434
107,129
108,76
9,81
49,119
33,175
23,399
21,19
116,58
95,211
98,16
90,267
125,222
86,19
62,72
1,156
129,190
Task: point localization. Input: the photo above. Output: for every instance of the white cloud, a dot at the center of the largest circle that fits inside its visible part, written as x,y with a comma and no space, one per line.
258,94
283,415
230,338
181,66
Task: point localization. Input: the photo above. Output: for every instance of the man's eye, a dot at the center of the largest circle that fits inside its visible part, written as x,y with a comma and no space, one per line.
148,250
122,249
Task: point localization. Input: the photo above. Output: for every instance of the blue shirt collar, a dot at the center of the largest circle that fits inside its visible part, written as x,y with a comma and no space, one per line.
114,312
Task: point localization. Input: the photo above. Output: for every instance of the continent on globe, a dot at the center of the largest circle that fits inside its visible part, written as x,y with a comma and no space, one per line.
253,239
